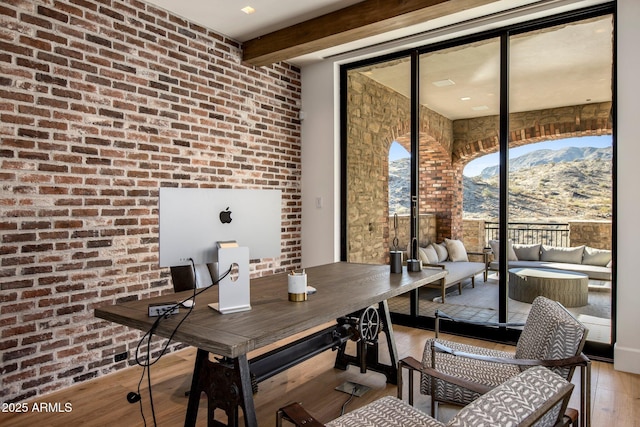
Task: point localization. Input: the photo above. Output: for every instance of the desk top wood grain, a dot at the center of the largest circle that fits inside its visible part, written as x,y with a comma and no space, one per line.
342,288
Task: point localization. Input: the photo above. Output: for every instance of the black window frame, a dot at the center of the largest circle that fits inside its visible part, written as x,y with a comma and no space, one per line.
414,319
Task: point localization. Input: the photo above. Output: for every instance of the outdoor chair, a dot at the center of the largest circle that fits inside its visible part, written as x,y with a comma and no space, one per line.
536,396
551,337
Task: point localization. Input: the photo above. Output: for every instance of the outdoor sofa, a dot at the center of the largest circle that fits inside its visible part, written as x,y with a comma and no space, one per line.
595,263
452,256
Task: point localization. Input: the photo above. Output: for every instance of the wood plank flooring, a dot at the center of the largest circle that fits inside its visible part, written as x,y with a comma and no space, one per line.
102,402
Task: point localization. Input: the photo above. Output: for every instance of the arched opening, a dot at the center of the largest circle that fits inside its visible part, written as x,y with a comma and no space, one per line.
399,172
561,180
560,198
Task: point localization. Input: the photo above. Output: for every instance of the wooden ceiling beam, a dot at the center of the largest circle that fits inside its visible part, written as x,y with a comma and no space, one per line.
365,19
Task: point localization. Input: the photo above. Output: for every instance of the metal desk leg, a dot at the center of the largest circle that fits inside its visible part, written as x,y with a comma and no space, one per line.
227,384
371,357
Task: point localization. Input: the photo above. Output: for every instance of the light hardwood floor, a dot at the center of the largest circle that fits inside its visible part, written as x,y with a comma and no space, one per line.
102,402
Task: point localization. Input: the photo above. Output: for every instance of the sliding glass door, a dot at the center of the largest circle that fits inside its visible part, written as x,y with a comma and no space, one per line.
458,120
561,169
505,141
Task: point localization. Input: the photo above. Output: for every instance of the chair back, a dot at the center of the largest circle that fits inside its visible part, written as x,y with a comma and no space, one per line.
537,397
551,332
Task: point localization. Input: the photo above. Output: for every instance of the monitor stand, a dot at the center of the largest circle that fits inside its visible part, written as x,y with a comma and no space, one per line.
233,290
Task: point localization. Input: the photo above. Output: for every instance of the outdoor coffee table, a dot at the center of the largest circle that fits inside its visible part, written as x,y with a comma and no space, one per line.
569,288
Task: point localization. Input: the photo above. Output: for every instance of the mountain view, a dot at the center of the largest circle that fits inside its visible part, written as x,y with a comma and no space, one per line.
570,183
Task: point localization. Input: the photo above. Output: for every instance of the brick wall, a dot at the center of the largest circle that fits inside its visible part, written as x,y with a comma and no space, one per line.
101,103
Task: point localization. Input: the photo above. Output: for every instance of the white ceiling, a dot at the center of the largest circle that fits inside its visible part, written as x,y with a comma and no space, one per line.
473,69
226,16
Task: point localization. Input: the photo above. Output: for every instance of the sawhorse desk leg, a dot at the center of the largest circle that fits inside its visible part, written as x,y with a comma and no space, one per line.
227,384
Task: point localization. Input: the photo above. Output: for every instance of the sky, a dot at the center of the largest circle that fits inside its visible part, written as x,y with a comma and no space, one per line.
476,166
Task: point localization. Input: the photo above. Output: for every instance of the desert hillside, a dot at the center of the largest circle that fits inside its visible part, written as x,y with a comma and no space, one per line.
572,183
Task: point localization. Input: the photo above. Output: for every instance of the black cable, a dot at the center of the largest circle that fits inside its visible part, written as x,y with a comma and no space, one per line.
146,366
153,410
344,405
151,331
144,420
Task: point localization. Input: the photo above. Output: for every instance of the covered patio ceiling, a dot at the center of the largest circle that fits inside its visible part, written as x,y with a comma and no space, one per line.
548,69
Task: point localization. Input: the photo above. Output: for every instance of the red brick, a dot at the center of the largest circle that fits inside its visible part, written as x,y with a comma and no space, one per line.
94,137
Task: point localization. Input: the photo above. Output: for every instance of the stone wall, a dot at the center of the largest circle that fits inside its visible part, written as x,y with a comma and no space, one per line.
426,226
473,236
102,103
596,234
375,116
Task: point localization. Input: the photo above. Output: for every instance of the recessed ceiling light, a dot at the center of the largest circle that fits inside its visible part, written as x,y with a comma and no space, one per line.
248,10
445,82
465,98
480,108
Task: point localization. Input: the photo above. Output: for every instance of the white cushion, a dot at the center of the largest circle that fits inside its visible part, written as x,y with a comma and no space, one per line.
429,255
457,251
441,250
593,256
560,254
527,252
495,247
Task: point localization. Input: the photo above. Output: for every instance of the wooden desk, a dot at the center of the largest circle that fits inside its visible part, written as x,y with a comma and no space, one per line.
342,289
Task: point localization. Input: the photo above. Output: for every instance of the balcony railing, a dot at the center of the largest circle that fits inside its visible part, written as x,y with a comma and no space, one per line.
551,234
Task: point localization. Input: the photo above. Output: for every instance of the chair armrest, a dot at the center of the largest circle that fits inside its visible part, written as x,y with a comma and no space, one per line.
579,360
435,266
412,365
484,255
297,415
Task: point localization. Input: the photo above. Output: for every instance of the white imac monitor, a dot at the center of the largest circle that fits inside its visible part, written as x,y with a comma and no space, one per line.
194,220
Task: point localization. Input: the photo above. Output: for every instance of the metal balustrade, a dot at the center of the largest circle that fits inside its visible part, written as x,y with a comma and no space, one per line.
548,233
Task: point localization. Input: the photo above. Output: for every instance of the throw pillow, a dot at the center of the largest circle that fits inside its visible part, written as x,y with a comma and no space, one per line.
441,250
422,256
457,251
527,252
558,254
495,248
430,254
599,257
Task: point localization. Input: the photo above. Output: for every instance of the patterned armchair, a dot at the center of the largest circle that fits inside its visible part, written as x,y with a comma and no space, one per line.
535,397
551,337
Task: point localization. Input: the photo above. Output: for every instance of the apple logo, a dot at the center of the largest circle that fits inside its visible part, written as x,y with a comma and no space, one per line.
225,216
